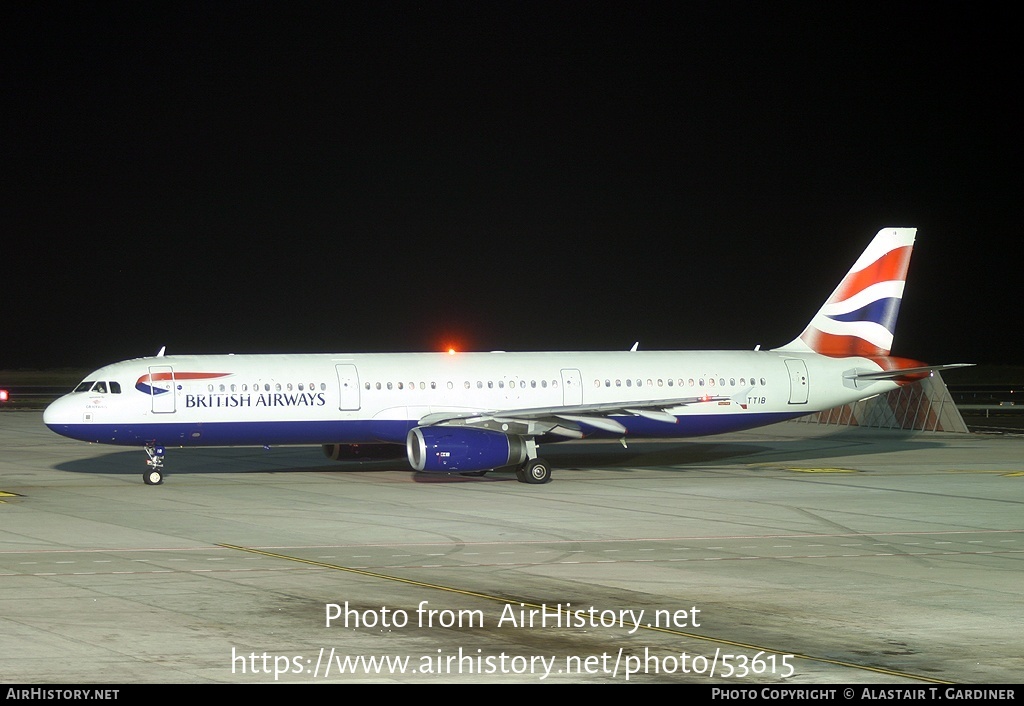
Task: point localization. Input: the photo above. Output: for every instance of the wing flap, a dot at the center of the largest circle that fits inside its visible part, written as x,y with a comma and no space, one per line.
602,423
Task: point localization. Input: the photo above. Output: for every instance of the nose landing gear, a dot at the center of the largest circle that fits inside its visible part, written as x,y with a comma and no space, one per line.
155,474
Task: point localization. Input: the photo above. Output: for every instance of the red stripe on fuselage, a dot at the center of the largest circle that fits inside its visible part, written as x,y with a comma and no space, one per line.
155,377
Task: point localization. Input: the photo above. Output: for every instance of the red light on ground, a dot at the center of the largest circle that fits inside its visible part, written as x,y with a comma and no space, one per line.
451,351
3,395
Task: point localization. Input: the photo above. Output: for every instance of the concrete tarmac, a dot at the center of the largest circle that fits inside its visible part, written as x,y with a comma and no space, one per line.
795,554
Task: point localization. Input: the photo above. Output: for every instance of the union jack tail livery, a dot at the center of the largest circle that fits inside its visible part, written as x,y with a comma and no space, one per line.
860,317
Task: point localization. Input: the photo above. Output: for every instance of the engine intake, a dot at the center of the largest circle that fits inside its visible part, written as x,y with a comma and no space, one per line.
451,449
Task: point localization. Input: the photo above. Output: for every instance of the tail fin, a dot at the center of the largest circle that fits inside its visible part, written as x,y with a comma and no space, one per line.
860,317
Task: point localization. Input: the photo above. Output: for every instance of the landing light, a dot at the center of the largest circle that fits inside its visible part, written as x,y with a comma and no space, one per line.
451,351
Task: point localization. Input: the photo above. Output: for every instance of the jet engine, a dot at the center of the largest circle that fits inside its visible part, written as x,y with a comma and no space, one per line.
460,449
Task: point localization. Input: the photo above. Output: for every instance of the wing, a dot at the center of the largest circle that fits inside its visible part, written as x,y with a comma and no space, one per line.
567,420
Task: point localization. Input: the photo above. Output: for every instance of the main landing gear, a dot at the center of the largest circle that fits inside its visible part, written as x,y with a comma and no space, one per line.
534,471
155,474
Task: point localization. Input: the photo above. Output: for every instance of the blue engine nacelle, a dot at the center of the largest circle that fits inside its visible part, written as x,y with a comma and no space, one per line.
453,449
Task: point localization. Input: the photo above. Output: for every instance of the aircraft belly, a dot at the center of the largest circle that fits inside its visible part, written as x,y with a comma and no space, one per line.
276,433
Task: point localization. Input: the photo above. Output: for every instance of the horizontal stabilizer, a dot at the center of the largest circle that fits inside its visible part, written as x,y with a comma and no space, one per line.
900,372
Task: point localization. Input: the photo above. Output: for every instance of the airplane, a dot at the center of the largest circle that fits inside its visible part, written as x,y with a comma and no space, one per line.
472,413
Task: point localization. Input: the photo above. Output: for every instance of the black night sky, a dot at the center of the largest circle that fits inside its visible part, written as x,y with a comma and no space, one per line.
306,177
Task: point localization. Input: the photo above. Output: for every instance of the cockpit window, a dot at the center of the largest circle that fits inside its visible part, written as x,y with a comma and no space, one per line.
100,387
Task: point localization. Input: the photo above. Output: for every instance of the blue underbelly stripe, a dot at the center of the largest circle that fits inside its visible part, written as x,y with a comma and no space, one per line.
373,431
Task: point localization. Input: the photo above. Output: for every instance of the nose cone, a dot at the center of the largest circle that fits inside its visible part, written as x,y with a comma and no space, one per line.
61,413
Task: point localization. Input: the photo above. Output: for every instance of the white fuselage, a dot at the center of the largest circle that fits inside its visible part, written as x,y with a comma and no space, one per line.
361,398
